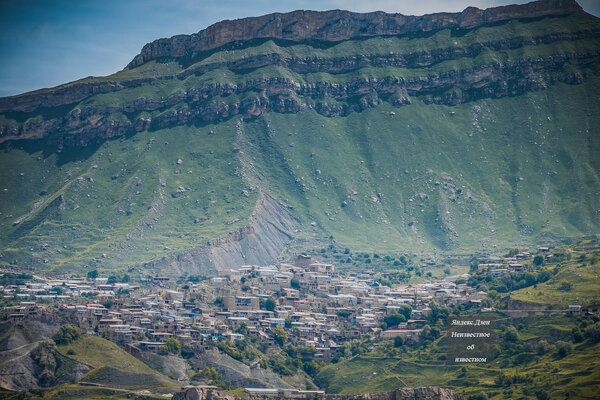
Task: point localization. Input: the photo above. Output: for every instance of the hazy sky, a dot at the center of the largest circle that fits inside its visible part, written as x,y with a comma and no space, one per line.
44,43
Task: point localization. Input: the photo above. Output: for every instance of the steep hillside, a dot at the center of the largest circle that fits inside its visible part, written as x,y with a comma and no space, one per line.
259,137
31,362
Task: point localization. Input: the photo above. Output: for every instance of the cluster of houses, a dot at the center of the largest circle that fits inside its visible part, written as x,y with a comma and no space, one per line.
316,305
498,266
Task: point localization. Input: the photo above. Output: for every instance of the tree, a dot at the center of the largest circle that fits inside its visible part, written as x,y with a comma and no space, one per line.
311,367
399,341
592,332
563,348
405,310
577,335
511,334
279,335
394,319
125,279
426,332
295,283
542,347
270,304
93,274
187,351
512,252
538,260
173,346
112,279
66,334
565,286
242,328
437,312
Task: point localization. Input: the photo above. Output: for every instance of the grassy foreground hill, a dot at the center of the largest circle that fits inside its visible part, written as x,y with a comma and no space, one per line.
448,140
525,372
552,355
577,281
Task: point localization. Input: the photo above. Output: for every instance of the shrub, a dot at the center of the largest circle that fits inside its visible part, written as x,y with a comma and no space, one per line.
398,341
541,394
66,334
563,348
311,367
270,304
93,274
511,334
565,286
480,396
173,346
592,332
187,351
577,335
279,335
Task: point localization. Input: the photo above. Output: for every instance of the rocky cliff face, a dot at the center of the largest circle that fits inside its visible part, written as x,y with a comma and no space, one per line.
28,364
260,242
335,26
69,118
206,104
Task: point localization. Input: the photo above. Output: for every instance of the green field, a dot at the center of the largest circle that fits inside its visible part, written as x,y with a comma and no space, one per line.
577,282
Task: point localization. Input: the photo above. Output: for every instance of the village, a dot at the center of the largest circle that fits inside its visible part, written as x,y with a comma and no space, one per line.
314,304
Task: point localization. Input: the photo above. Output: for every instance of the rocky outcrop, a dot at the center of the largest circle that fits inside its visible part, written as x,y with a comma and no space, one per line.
37,365
30,361
78,91
236,372
336,25
260,242
210,103
421,393
65,94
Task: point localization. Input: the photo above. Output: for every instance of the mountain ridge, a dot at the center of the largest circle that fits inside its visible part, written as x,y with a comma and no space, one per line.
450,142
303,25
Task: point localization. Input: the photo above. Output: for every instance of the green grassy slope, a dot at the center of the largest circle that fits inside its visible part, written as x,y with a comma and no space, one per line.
113,367
118,201
577,281
501,172
98,352
429,177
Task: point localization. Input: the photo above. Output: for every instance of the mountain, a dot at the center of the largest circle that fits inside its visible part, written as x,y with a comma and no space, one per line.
258,138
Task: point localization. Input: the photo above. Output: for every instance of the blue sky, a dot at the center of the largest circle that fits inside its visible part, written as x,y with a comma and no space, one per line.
44,43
